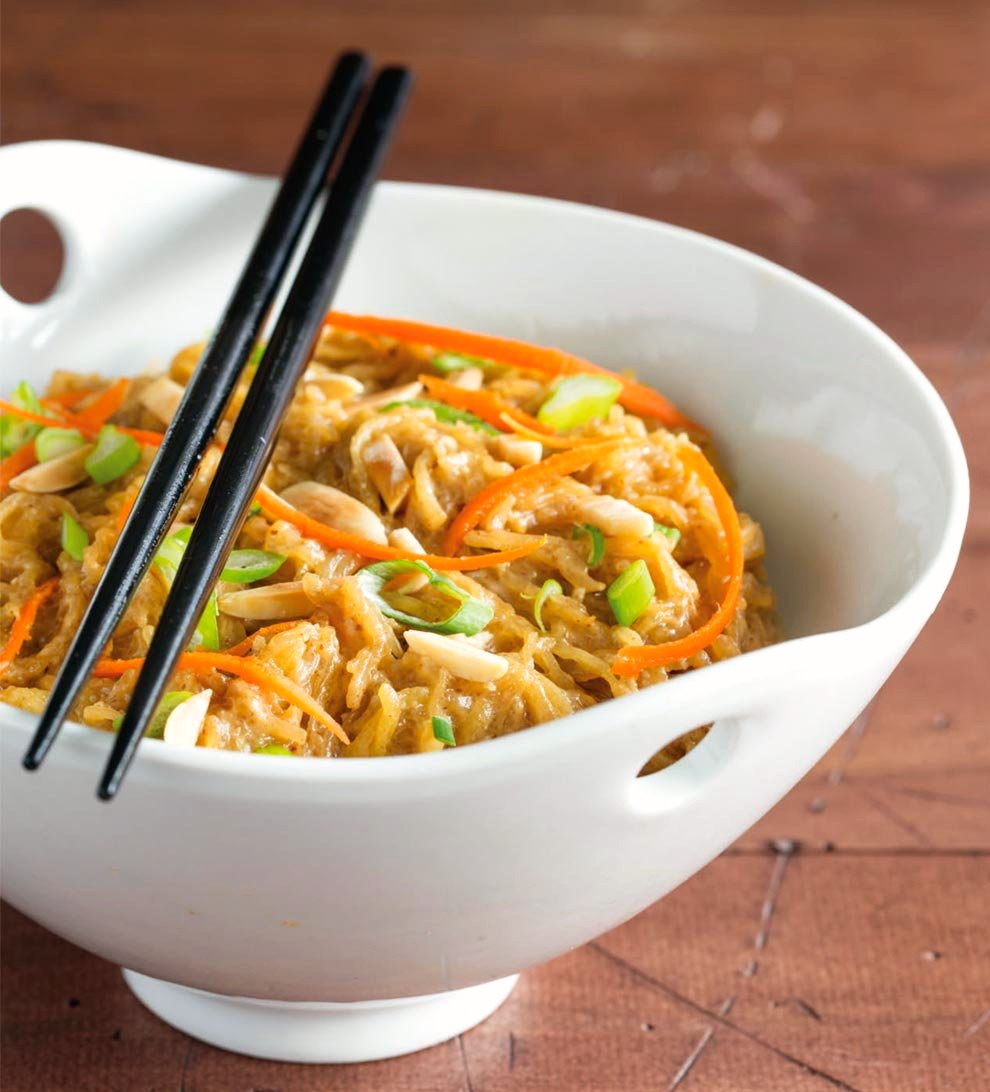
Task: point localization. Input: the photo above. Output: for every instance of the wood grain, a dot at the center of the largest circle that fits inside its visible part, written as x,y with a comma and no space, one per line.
846,140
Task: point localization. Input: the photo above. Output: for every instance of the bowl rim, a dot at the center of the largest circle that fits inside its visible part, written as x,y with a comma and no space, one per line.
676,694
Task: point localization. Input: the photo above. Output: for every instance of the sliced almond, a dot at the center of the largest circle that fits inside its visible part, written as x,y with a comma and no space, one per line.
336,509
463,660
392,394
470,379
333,384
388,470
185,722
55,475
267,602
616,517
403,539
162,397
185,360
518,451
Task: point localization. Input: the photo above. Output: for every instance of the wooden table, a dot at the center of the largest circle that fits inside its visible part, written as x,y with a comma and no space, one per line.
843,942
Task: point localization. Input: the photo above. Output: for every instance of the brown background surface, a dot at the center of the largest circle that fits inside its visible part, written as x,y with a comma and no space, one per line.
848,141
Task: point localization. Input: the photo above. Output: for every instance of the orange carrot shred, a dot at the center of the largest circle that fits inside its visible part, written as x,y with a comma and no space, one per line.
243,667
89,428
125,511
484,404
276,508
636,397
245,646
523,481
16,463
24,622
27,415
520,428
68,399
630,661
106,403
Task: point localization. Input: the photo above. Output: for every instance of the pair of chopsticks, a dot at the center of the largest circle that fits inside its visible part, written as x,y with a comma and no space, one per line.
246,455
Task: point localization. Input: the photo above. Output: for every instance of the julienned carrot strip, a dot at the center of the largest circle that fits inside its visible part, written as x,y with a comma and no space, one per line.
27,415
106,403
245,646
24,622
16,463
67,399
484,404
521,482
143,435
519,354
243,667
632,660
125,511
520,428
89,429
276,508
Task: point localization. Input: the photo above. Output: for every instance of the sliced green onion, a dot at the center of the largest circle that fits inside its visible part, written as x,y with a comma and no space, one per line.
14,432
74,537
550,587
255,359
255,509
167,561
443,730
630,593
670,533
156,726
114,455
456,362
171,700
25,398
578,399
274,749
597,551
52,442
246,566
208,626
469,615
445,413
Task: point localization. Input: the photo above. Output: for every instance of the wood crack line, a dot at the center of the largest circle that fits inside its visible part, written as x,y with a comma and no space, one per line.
714,1015
464,1062
783,851
894,816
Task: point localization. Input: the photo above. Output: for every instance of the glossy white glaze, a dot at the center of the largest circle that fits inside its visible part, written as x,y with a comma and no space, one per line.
385,878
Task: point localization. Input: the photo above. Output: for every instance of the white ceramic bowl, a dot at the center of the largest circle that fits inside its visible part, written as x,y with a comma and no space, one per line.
335,883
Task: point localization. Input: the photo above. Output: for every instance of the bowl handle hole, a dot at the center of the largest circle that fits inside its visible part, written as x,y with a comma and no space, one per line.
32,255
674,751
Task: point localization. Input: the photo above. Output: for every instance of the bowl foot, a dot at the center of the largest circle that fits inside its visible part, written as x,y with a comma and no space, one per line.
319,1031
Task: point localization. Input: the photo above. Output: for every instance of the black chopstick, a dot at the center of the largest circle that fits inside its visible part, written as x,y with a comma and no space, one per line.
252,439
207,394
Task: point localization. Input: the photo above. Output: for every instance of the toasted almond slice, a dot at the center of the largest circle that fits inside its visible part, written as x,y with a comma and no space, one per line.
333,384
471,379
162,397
518,451
55,475
185,722
336,509
407,583
616,517
392,394
463,660
185,360
268,602
388,470
403,539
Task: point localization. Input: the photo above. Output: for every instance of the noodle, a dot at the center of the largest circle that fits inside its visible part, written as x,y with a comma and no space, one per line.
348,651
